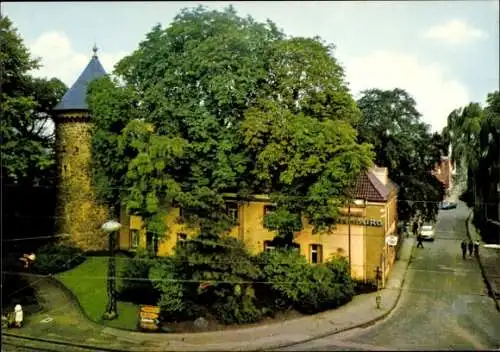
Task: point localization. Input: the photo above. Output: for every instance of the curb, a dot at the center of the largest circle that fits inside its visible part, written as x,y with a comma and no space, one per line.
62,343
483,272
361,325
100,348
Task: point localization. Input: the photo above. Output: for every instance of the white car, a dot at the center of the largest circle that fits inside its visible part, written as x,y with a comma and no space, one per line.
427,232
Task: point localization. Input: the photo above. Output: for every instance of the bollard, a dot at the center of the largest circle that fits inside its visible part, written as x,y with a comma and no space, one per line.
378,300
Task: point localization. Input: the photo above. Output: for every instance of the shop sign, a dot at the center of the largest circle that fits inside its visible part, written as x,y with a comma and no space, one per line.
360,221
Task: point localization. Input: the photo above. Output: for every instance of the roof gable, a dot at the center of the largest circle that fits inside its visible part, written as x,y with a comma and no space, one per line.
76,97
369,187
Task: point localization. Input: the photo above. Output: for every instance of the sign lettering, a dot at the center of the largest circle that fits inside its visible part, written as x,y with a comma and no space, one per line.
360,221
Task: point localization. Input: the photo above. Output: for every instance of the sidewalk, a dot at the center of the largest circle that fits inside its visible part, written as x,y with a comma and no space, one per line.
361,311
489,261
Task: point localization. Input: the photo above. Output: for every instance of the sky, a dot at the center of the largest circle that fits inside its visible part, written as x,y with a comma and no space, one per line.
444,53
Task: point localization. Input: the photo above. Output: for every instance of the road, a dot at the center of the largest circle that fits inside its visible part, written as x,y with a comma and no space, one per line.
444,304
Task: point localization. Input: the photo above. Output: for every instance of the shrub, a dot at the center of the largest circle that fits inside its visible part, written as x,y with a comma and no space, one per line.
297,284
238,307
171,293
210,269
285,270
54,258
135,285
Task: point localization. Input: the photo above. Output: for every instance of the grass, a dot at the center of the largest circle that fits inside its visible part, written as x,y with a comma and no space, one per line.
88,282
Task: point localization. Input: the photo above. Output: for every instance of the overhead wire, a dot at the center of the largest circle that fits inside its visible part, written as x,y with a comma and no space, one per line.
214,282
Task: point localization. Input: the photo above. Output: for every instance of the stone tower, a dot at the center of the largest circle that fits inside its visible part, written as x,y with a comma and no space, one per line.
78,214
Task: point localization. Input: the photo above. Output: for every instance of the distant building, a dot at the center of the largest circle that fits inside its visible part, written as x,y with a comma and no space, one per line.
444,173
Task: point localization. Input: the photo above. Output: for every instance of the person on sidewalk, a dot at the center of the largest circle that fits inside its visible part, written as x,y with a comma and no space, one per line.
476,248
471,247
415,228
464,248
419,241
18,315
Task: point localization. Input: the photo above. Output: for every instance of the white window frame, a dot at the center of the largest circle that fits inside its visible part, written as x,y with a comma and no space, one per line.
134,244
317,249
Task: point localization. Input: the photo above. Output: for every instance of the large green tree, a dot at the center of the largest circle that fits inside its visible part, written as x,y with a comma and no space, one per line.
27,145
404,144
474,134
217,103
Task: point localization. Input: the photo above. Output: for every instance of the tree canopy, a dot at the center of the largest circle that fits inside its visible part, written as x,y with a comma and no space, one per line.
27,146
218,103
404,144
474,134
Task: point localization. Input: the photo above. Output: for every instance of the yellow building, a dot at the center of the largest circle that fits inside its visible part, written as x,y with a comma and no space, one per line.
372,217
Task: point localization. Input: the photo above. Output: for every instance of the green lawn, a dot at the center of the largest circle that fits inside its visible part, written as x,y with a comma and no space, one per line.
92,292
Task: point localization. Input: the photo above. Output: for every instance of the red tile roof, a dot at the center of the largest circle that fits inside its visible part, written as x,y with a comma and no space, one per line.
369,187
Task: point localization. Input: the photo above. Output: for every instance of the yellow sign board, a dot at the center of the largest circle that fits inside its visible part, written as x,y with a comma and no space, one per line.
149,317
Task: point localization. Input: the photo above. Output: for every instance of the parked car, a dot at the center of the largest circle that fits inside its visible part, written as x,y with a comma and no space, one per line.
427,232
447,205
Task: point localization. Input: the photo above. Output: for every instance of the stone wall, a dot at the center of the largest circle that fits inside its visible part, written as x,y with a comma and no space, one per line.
77,212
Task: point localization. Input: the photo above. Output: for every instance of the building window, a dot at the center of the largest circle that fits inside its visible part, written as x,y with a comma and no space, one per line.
134,238
232,211
316,251
269,209
268,246
181,239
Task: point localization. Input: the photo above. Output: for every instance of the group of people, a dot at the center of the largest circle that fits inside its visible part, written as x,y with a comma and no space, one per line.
473,248
14,318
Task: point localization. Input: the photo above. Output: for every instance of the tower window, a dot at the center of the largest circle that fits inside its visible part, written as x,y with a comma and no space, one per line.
66,170
76,150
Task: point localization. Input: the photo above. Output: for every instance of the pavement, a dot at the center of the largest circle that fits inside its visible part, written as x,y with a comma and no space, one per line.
489,262
62,323
444,303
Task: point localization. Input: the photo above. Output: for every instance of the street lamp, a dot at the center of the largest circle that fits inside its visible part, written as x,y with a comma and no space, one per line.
110,227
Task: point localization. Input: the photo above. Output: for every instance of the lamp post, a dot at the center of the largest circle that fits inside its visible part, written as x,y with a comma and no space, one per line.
110,227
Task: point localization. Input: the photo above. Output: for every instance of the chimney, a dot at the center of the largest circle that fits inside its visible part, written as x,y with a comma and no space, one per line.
381,173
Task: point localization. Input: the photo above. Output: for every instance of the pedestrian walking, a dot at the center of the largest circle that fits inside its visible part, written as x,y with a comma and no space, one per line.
471,247
463,245
476,248
415,228
419,241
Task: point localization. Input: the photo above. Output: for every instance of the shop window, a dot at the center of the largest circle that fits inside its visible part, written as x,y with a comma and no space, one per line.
181,239
232,211
269,209
316,253
134,238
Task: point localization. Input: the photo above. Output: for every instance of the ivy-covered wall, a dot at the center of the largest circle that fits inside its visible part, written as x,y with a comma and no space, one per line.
78,214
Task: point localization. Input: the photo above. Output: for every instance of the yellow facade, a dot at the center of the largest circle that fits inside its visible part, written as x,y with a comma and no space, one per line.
367,241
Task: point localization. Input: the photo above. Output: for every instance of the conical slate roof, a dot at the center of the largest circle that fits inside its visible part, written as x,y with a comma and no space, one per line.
76,97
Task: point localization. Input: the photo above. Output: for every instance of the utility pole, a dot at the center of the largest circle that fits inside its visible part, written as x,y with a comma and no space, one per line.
349,233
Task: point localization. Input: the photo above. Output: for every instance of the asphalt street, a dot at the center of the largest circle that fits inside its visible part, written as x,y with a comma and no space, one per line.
444,305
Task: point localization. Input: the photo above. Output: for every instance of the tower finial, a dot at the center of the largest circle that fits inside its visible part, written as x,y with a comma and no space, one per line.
94,49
